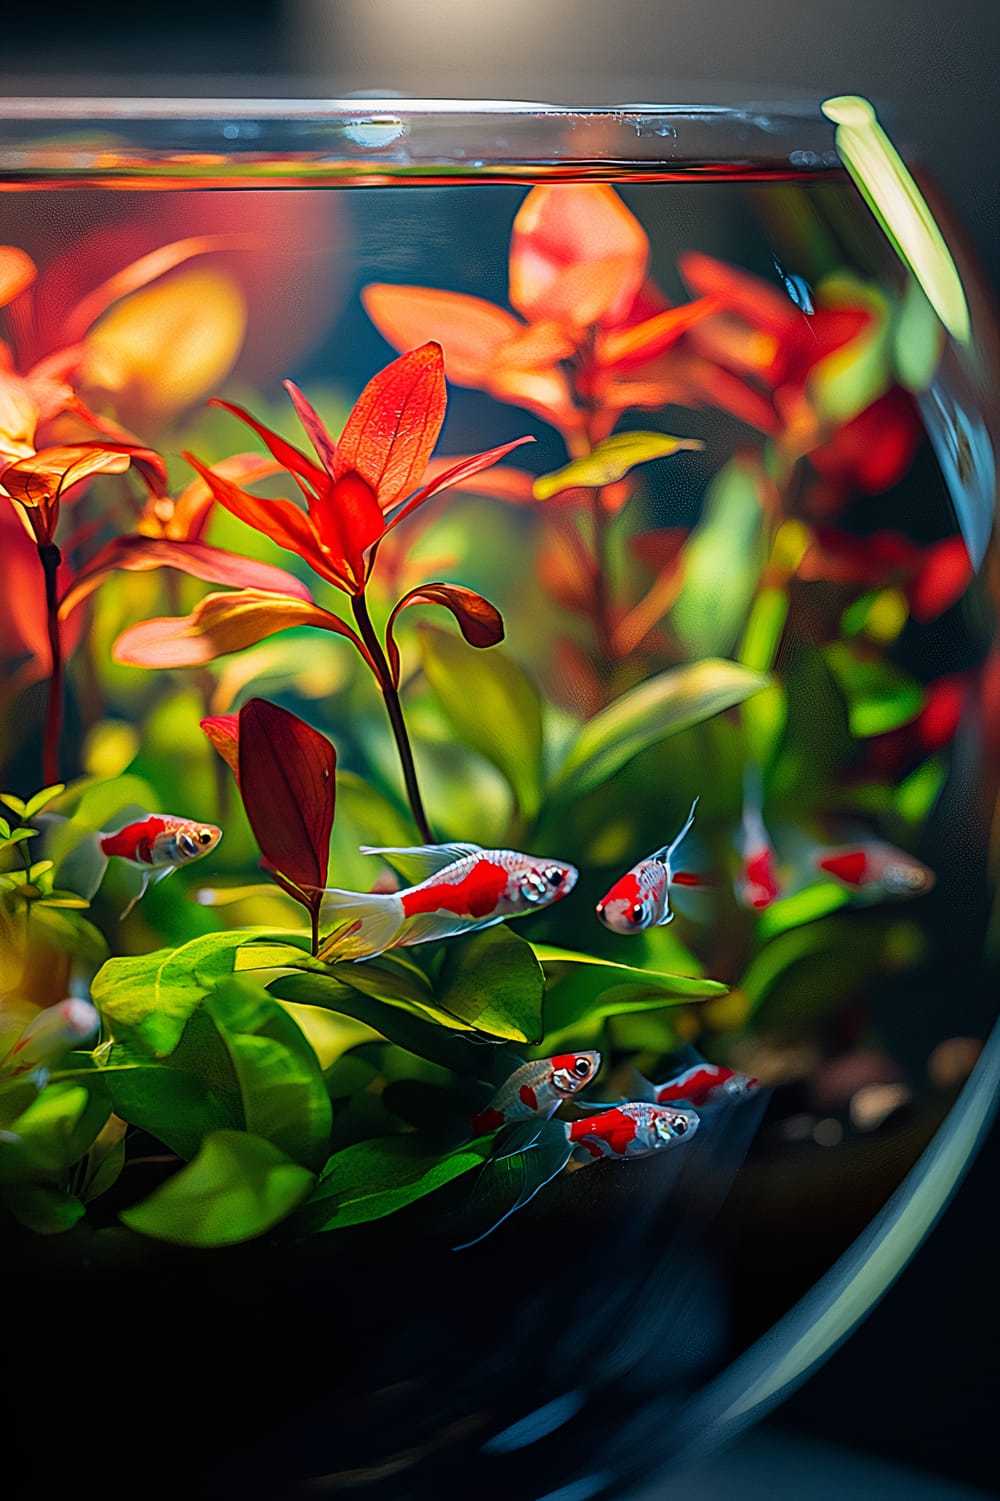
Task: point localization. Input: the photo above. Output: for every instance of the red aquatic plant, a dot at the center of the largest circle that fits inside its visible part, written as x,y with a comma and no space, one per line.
932,576
286,773
357,490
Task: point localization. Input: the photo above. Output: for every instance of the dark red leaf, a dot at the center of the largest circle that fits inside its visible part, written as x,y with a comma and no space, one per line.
480,622
287,782
223,730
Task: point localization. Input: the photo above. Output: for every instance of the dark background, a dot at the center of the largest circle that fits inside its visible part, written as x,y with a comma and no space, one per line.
917,1382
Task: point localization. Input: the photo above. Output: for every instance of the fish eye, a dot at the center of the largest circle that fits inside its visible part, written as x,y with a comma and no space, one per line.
636,914
204,836
599,908
554,875
582,1067
678,1125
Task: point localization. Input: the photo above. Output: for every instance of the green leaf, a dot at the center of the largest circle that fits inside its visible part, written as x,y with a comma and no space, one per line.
42,799
808,970
181,1099
900,208
430,1036
491,980
47,1211
816,738
61,1124
852,377
917,339
659,707
492,706
68,931
147,998
374,1178
722,563
804,906
611,460
879,698
916,796
584,987
284,1097
105,1159
764,627
238,1187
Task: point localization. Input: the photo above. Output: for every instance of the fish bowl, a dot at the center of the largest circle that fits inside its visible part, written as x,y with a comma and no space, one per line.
526,575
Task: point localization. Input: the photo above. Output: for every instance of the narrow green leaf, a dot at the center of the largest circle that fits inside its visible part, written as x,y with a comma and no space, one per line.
802,907
764,627
611,460
42,799
375,1178
493,707
238,1187
585,987
917,339
879,698
900,208
660,707
722,564
492,981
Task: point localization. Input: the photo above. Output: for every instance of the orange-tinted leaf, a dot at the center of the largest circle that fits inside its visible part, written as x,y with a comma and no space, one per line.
212,564
278,519
17,272
306,473
348,520
762,306
464,469
222,623
287,777
544,392
185,519
224,733
577,255
320,439
391,433
162,349
471,332
480,622
137,274
652,337
40,479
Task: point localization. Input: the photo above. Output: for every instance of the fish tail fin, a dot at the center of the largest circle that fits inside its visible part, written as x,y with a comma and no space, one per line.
362,924
80,863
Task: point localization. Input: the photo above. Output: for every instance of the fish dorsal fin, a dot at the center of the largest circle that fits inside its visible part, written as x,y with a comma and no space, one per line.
422,860
664,854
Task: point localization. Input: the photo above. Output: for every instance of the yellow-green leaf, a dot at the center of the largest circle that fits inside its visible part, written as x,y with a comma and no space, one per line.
611,460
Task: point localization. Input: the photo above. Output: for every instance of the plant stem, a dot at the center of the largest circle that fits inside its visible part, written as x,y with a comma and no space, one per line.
50,557
602,623
395,711
314,924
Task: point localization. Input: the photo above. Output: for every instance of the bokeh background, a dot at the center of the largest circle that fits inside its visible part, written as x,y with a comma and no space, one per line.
916,1385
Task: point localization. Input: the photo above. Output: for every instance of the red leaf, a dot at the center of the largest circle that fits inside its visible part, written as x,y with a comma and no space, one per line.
348,520
223,730
391,433
318,435
201,561
292,458
454,476
287,782
278,519
944,574
480,622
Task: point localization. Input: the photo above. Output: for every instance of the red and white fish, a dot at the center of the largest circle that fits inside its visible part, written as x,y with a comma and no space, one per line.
875,870
757,883
635,1129
50,1035
459,888
704,1084
641,898
536,1090
157,845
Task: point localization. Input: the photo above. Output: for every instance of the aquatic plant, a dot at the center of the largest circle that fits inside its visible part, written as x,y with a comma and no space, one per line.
750,651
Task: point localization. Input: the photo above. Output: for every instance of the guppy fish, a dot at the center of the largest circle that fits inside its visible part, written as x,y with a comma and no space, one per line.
635,1129
157,845
757,882
704,1084
528,1155
641,898
875,869
459,888
536,1090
